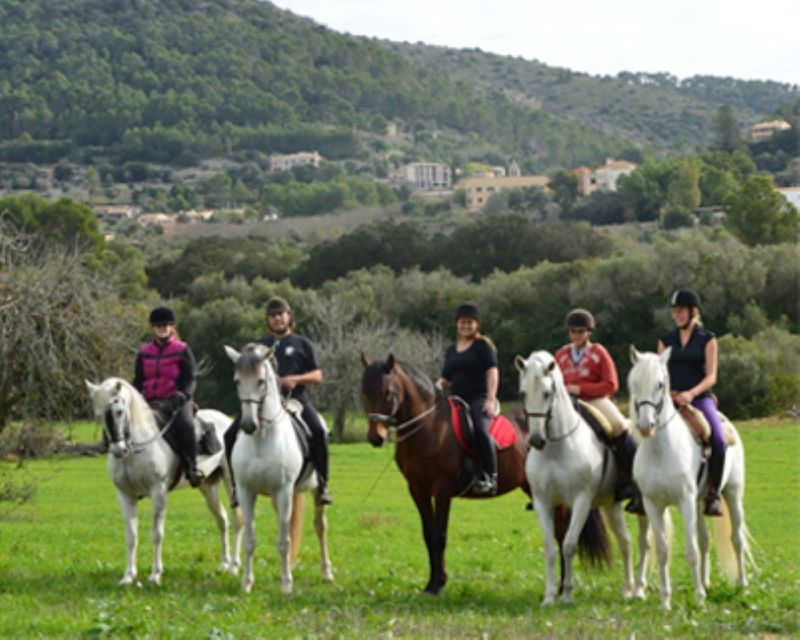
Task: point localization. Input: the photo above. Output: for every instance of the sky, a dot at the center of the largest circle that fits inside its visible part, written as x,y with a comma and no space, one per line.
739,38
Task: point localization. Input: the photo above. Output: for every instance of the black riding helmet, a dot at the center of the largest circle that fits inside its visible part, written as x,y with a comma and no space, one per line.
468,310
162,315
580,319
276,304
684,298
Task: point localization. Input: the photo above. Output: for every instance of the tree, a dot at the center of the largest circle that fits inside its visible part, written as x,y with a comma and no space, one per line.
564,185
60,323
726,130
758,214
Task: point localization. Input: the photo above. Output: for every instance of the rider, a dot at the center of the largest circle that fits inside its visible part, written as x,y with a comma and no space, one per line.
164,375
470,369
692,373
297,367
590,374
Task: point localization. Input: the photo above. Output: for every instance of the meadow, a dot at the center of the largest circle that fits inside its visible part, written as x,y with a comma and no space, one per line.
62,553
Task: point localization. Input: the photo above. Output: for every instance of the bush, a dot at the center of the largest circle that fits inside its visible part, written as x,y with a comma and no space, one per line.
30,440
678,217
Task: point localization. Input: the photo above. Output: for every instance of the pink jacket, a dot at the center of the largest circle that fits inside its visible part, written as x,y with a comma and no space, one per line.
161,368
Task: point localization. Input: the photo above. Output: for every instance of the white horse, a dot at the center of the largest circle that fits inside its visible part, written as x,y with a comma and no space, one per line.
141,463
568,465
666,468
267,459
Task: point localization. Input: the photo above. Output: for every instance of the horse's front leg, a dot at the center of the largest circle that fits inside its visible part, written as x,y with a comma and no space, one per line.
613,514
644,547
703,544
282,500
247,503
159,498
321,527
688,508
733,498
656,516
211,494
128,505
580,512
441,517
544,513
424,504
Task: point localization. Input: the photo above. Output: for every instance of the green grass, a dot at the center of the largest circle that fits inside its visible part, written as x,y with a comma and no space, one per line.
62,554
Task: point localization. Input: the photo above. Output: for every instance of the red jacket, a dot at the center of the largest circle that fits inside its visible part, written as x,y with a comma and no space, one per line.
595,374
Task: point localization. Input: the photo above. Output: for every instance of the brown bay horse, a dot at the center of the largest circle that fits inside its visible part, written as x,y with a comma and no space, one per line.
398,396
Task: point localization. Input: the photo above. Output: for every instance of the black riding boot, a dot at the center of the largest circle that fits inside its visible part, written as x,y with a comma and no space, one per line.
319,452
486,485
623,449
716,464
230,439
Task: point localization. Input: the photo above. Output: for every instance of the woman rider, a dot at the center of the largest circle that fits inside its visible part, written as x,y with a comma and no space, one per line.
164,375
692,373
470,370
590,374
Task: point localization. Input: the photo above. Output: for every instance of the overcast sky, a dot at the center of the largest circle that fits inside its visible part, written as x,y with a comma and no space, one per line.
739,38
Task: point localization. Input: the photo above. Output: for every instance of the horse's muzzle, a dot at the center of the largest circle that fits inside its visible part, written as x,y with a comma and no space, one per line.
377,434
118,449
248,426
645,428
536,441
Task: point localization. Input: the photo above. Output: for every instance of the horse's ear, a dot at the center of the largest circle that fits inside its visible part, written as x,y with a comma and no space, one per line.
233,354
365,360
92,387
118,387
634,354
550,367
664,355
520,364
389,364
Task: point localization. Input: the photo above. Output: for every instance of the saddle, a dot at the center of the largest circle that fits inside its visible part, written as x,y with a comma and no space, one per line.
205,435
501,430
295,410
701,430
596,420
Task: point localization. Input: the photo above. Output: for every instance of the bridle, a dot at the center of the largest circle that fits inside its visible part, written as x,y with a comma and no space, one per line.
657,407
391,420
547,415
259,402
131,445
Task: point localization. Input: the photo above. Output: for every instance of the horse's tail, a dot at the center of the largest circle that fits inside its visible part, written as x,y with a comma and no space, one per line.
298,514
594,544
726,553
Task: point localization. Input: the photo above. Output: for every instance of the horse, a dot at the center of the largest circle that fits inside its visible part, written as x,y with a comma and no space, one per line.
267,459
669,470
397,396
141,463
568,465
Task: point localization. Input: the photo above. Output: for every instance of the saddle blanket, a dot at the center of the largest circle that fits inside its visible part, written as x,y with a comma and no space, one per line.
502,431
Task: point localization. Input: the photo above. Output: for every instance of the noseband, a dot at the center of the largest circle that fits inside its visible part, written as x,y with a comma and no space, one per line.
657,407
391,420
547,415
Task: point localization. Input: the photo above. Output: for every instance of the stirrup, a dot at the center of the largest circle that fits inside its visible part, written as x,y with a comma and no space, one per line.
485,486
323,495
713,506
195,477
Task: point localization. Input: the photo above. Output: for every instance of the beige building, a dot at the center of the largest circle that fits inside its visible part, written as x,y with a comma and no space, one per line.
480,188
764,130
110,212
285,161
427,175
602,178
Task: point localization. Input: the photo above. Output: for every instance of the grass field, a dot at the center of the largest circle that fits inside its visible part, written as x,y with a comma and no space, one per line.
62,554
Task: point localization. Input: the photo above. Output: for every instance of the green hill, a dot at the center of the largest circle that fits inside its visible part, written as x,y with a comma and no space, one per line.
175,81
656,111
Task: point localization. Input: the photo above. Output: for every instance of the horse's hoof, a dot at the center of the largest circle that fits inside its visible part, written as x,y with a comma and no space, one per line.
126,580
566,599
286,589
247,587
433,589
548,602
233,569
666,605
627,593
639,594
155,579
327,576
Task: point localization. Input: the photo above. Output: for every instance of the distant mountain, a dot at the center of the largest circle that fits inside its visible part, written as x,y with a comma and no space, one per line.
175,81
654,110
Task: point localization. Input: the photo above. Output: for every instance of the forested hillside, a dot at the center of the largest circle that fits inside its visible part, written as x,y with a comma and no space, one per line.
656,111
175,81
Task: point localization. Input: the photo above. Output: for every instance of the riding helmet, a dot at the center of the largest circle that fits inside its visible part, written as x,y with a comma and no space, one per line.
684,298
276,304
162,315
580,319
468,310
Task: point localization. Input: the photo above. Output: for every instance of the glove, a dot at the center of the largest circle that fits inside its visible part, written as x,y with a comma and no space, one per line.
177,401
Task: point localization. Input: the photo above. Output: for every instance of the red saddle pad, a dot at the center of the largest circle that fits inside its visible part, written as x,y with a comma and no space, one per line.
502,431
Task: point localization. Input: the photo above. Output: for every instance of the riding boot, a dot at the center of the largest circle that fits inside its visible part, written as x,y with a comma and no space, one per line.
636,505
716,464
230,439
486,485
319,458
623,449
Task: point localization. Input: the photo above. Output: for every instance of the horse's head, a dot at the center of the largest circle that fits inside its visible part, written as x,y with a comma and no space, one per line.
648,386
112,401
538,386
255,380
382,396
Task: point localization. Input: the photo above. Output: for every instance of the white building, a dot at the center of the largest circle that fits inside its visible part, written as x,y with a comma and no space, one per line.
285,161
427,175
605,177
792,194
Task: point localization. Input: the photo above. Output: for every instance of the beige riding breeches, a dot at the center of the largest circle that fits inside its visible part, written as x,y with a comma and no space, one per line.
617,422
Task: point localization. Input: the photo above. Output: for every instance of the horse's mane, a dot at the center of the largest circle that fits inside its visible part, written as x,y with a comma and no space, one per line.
251,358
141,414
373,376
